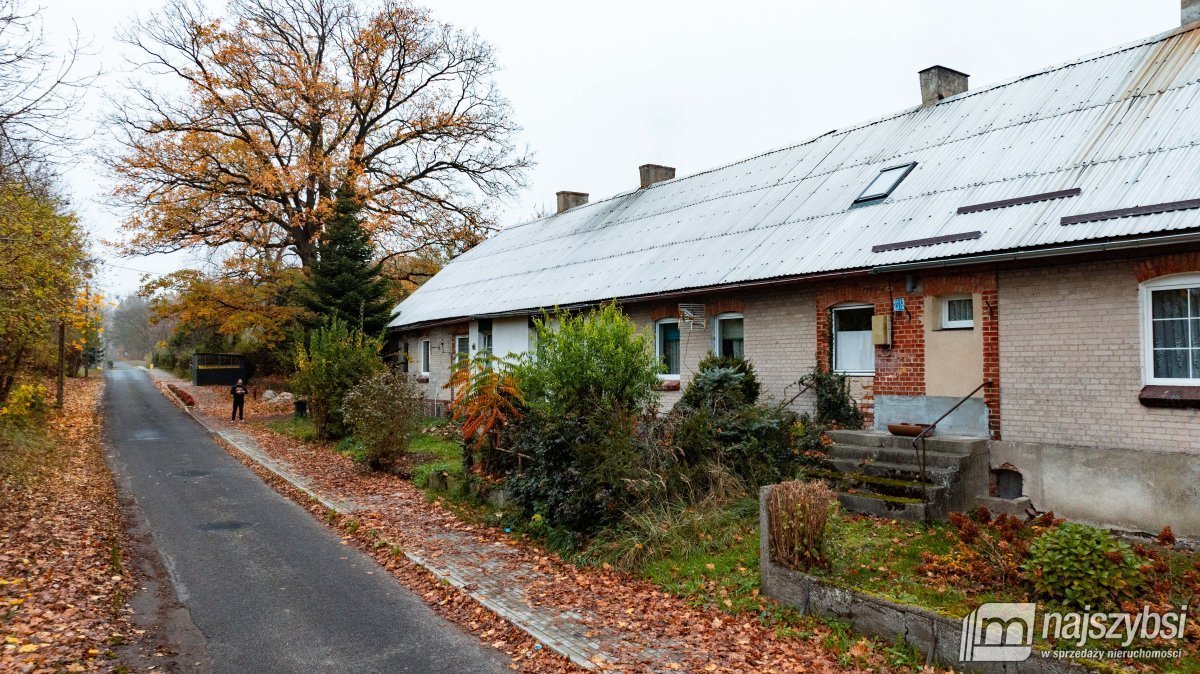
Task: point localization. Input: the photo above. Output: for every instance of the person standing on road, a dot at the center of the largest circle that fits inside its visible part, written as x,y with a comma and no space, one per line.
239,401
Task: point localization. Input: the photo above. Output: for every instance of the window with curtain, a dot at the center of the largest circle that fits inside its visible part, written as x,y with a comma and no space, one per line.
853,352
729,336
667,345
1172,321
425,356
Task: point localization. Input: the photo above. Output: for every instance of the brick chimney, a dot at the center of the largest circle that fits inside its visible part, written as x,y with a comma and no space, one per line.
569,200
938,82
653,173
1189,12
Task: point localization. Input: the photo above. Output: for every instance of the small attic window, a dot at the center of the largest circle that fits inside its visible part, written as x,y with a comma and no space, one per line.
884,183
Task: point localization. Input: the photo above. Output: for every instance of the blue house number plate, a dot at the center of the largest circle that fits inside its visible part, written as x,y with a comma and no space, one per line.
897,304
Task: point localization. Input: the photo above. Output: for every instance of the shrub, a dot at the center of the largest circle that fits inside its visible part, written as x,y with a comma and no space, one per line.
184,397
578,473
811,442
26,403
587,362
834,405
989,552
486,399
580,451
335,359
384,411
1082,566
717,422
745,388
797,520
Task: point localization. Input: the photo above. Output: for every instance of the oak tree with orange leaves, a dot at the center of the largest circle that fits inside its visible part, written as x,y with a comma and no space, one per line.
281,104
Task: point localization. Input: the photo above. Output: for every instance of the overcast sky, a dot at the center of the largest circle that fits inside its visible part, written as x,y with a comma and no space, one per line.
601,88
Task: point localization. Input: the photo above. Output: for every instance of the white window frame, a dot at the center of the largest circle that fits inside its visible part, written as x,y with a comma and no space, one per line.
731,315
948,324
1173,282
658,344
833,341
425,356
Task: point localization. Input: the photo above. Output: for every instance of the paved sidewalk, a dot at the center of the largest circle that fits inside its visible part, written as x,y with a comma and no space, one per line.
497,575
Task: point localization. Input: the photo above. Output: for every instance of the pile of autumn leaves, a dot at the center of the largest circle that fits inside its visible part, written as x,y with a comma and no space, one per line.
62,588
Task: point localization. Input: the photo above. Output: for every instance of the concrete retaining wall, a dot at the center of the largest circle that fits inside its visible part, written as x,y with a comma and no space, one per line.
928,631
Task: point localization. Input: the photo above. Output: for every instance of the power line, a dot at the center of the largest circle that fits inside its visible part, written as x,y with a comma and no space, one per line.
140,271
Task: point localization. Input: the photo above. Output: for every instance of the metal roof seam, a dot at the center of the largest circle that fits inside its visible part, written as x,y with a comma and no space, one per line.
1119,126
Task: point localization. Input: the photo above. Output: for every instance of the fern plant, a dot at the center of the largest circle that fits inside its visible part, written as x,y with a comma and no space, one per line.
486,397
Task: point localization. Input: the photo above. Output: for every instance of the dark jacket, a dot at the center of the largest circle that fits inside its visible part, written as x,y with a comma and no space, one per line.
238,391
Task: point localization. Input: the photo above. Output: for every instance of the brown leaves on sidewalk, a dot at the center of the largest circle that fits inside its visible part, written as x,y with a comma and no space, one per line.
641,627
62,586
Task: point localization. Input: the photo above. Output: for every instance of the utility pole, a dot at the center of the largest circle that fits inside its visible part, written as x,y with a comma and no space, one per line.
87,311
62,356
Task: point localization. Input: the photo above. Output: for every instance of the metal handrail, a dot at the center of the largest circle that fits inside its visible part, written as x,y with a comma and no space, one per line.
929,429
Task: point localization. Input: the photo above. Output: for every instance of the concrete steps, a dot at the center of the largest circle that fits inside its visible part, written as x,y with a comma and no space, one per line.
879,474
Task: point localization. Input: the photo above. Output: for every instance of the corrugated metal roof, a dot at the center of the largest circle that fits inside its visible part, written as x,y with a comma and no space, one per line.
1123,125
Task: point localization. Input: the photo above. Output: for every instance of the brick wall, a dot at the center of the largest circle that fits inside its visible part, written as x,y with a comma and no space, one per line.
900,368
441,358
780,338
1070,352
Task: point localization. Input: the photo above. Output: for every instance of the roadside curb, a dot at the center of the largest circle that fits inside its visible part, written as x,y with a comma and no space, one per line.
342,508
253,454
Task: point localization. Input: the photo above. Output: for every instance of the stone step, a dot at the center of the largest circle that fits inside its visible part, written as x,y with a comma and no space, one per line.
950,444
882,506
878,484
911,472
901,455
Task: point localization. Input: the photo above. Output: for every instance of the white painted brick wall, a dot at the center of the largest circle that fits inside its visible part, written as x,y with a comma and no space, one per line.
781,341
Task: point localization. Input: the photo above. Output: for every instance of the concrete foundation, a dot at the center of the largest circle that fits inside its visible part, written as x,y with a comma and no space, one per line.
970,419
1127,489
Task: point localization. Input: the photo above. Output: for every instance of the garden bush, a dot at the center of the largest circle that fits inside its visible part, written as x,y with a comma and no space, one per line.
798,515
384,411
718,422
25,405
587,396
589,362
1082,566
334,359
834,404
745,388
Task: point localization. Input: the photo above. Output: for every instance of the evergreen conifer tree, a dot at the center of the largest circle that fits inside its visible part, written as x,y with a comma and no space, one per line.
345,281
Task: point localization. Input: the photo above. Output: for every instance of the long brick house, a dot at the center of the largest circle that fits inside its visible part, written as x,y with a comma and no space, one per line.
1037,240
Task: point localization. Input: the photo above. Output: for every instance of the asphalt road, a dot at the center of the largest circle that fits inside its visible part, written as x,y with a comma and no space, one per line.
269,587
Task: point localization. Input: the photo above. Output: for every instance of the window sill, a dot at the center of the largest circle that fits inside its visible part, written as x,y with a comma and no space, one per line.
1179,397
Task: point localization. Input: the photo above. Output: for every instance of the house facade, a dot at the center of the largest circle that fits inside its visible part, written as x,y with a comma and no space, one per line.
1032,247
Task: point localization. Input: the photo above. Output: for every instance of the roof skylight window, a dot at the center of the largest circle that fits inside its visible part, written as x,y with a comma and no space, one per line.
884,183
